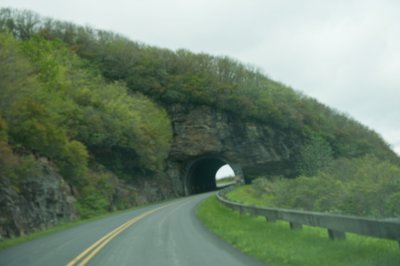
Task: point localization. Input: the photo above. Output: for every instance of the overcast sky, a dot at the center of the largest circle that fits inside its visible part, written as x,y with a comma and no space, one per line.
345,53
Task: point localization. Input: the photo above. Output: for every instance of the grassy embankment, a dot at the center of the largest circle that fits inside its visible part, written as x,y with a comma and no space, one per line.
275,244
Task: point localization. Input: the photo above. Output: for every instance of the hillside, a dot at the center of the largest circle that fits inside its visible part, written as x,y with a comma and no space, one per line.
93,103
168,77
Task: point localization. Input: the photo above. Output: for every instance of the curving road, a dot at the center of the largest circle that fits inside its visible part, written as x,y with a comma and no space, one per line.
162,234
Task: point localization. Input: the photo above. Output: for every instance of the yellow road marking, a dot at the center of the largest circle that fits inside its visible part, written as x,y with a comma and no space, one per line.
91,251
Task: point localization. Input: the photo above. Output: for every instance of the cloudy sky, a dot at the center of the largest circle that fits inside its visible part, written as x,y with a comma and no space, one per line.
345,53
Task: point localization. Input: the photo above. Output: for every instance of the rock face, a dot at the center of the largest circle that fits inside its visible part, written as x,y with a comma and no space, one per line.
41,201
202,134
45,200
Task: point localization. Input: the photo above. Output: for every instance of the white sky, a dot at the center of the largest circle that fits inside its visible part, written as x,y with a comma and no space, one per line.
345,53
224,171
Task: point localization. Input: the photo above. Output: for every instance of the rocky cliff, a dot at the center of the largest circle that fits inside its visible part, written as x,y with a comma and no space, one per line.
37,203
45,199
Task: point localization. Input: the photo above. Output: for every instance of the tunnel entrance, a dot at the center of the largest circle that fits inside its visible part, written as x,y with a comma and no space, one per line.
201,174
225,176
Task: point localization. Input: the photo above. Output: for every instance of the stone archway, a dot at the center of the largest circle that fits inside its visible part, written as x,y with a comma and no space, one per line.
200,173
205,138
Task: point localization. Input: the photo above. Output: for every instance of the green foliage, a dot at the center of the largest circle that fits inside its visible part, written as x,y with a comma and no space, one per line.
71,93
73,161
365,187
276,244
95,196
16,168
314,155
8,161
16,79
54,104
3,129
101,115
371,186
184,77
249,194
32,127
69,103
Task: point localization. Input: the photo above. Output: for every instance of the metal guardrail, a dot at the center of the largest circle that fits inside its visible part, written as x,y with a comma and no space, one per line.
337,225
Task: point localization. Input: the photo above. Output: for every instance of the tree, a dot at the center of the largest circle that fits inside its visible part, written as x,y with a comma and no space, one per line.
315,155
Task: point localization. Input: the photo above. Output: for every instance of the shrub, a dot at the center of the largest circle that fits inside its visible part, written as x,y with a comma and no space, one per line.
363,186
73,161
96,194
315,155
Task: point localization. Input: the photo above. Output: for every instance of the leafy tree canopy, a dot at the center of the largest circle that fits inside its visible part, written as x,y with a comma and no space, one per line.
89,83
59,106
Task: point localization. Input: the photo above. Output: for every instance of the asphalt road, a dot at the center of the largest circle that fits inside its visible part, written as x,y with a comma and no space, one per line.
163,234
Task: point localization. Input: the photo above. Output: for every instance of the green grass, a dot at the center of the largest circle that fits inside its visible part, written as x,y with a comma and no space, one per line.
245,194
276,244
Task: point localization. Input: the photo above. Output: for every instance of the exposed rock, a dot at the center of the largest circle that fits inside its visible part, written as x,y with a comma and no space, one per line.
204,139
45,200
38,202
250,147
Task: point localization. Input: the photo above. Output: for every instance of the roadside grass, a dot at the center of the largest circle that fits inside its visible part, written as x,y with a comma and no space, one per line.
244,194
276,244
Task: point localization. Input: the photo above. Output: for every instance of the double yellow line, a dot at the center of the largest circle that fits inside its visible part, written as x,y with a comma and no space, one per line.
83,258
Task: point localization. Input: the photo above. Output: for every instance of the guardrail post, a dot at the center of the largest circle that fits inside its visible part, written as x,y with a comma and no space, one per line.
271,218
336,235
295,226
253,211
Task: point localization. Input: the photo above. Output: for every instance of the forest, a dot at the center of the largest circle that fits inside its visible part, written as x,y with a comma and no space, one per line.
89,99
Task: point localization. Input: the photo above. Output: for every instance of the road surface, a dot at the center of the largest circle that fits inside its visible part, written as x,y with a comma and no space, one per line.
161,234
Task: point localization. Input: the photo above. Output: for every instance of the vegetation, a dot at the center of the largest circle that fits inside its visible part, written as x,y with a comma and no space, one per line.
314,155
246,195
184,77
275,244
54,104
225,181
93,103
363,187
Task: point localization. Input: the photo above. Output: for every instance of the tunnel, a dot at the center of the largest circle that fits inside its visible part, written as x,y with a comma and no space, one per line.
200,174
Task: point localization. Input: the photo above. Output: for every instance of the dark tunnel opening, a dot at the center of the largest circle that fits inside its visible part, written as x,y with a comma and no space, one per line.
201,174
